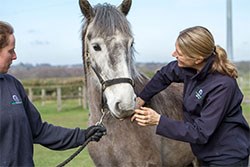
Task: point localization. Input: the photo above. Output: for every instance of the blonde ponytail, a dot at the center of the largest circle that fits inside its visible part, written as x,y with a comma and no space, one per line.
222,64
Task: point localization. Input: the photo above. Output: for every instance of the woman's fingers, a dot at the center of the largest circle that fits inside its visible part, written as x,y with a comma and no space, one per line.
141,124
137,112
139,115
140,111
133,118
146,116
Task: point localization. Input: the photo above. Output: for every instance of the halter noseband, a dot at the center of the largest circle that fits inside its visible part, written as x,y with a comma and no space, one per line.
111,82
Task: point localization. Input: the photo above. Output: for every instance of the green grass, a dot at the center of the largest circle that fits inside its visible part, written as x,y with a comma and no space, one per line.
71,116
246,111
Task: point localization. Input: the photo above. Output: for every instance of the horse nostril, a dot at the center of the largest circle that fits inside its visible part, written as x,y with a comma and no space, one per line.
135,99
122,106
117,106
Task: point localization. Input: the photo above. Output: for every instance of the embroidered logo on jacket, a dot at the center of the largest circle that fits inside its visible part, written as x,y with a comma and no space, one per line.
16,100
198,94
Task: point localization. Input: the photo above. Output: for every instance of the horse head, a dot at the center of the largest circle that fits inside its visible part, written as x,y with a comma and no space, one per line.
108,55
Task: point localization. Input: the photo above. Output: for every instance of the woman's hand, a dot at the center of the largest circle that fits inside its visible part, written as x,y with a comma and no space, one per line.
146,116
95,132
139,103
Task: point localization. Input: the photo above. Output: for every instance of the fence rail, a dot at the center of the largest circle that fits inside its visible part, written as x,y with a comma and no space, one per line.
55,92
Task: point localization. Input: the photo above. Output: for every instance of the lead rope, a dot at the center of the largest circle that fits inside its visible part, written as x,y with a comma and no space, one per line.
83,145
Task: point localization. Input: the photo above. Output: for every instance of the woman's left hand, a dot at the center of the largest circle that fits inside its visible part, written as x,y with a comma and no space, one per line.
146,116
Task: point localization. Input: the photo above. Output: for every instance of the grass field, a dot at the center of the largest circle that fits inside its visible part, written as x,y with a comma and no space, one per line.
72,117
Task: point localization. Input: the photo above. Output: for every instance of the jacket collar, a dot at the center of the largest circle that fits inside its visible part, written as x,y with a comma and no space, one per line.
3,75
204,71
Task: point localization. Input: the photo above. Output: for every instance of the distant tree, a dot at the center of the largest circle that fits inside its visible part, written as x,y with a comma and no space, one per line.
243,67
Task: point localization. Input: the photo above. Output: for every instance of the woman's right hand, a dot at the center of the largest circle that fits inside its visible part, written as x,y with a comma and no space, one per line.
145,116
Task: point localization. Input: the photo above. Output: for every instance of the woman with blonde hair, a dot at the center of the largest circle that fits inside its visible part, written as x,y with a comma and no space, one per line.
213,122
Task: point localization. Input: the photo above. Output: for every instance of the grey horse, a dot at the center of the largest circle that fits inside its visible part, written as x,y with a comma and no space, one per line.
112,83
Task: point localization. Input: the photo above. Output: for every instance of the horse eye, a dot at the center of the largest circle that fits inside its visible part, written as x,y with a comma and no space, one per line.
97,47
132,44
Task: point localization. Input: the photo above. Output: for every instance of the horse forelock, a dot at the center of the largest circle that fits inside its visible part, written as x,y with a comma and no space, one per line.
108,20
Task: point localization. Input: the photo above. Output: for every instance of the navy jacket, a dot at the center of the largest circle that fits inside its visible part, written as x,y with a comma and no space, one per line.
21,126
213,121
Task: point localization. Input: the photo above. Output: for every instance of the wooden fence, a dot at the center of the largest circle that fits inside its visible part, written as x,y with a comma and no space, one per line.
55,92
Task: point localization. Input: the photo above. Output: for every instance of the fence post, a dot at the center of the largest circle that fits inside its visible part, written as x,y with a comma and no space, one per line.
43,96
59,98
30,94
80,96
85,97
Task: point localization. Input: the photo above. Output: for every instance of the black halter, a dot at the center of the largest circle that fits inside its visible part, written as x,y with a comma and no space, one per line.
111,82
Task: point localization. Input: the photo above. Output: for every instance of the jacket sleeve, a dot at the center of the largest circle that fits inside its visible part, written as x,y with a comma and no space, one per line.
212,114
48,135
161,80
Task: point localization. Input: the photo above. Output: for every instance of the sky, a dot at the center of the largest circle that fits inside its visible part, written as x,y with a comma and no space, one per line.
48,31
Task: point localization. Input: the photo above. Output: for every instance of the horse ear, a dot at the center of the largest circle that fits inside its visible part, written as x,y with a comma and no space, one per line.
86,9
124,7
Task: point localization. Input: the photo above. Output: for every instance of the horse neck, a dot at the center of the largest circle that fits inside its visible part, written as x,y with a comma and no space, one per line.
140,81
